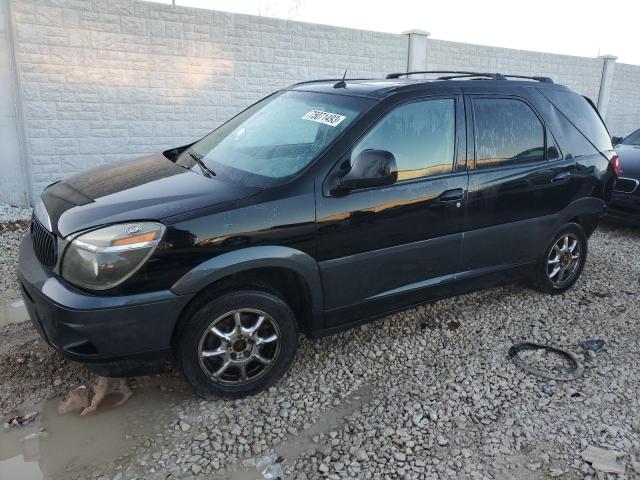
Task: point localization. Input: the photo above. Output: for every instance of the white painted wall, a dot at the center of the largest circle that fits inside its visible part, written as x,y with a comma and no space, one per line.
13,188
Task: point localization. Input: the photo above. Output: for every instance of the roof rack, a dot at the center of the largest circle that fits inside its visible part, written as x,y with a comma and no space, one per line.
474,76
537,79
465,74
331,80
495,76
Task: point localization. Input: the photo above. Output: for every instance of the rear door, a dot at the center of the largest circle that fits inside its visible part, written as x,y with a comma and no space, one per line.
383,248
518,181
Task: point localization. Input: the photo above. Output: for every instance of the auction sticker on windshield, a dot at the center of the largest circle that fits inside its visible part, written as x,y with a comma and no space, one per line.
326,118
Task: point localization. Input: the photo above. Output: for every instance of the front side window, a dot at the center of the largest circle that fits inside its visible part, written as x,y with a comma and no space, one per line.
420,135
276,138
507,132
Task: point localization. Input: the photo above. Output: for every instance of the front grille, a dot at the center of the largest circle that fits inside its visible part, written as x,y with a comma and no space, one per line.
45,244
626,185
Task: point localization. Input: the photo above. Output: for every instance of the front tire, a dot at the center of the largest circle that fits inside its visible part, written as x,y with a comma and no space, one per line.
238,343
563,260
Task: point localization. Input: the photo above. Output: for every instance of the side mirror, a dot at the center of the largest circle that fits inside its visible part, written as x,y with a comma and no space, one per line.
616,140
371,168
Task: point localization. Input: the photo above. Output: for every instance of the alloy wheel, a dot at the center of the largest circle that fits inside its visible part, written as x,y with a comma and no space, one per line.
239,346
563,260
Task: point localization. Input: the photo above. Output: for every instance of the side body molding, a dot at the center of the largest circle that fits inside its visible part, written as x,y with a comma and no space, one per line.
256,257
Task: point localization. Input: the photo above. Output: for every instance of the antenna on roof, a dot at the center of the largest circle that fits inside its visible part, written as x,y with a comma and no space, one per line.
341,83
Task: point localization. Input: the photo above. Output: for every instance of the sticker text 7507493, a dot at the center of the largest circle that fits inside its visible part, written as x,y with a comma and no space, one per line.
326,118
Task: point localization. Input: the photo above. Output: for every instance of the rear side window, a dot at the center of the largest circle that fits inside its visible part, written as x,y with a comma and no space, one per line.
580,112
507,132
420,135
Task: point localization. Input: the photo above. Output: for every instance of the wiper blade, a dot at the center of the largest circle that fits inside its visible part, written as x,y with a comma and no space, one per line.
206,171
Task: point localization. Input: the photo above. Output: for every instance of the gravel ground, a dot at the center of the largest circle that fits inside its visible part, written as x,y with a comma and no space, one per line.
13,225
30,370
427,393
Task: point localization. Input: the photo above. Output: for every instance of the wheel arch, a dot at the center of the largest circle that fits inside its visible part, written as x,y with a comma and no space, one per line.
586,212
290,273
588,222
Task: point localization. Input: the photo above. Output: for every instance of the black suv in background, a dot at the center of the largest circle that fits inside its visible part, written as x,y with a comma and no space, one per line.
322,206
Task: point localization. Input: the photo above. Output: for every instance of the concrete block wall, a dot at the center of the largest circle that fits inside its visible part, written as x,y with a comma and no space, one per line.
108,80
623,115
579,73
621,103
97,81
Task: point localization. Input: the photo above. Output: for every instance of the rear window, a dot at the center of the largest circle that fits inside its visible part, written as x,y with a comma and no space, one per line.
582,114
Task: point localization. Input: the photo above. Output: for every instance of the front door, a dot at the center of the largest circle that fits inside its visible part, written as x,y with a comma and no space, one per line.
383,248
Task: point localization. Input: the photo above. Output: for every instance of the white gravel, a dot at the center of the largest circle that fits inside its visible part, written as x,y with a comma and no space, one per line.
412,396
11,214
13,225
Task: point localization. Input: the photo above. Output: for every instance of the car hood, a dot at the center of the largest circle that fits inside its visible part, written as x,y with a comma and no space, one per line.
630,160
149,188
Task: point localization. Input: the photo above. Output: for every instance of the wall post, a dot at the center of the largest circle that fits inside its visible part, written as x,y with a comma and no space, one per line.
15,179
608,68
417,51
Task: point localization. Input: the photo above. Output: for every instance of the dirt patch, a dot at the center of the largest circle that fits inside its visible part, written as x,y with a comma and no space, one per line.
31,370
13,226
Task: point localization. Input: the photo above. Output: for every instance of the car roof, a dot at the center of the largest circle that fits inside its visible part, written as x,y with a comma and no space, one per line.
381,88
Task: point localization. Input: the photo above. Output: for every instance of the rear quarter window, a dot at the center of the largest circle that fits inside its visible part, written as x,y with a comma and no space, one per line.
582,114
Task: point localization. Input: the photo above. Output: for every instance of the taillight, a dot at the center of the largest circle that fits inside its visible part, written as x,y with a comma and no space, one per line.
616,165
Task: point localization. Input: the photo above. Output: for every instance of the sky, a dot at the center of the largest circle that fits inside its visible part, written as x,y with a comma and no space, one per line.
586,28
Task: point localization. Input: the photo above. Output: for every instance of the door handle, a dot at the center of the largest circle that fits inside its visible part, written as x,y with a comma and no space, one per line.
451,195
561,177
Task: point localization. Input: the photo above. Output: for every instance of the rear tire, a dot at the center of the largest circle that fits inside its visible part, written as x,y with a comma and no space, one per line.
238,344
562,261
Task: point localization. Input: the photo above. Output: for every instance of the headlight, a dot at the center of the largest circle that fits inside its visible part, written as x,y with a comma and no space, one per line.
106,257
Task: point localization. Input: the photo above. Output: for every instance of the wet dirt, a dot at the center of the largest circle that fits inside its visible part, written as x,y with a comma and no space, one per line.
63,444
12,311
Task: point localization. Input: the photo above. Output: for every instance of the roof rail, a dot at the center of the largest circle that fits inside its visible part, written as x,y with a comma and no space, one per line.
473,76
464,74
495,76
331,80
537,79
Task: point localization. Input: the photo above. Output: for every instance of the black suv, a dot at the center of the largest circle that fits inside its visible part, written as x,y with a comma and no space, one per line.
322,206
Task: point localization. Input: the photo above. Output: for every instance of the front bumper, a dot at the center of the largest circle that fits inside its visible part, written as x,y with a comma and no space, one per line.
624,208
114,336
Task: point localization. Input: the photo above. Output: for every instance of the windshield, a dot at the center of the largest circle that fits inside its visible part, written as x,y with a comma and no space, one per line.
633,139
274,139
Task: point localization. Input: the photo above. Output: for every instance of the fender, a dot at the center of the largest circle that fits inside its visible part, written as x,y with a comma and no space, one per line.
550,225
245,259
587,205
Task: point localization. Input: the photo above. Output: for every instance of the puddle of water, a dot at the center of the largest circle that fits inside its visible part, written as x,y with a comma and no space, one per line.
295,445
12,311
74,443
18,468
